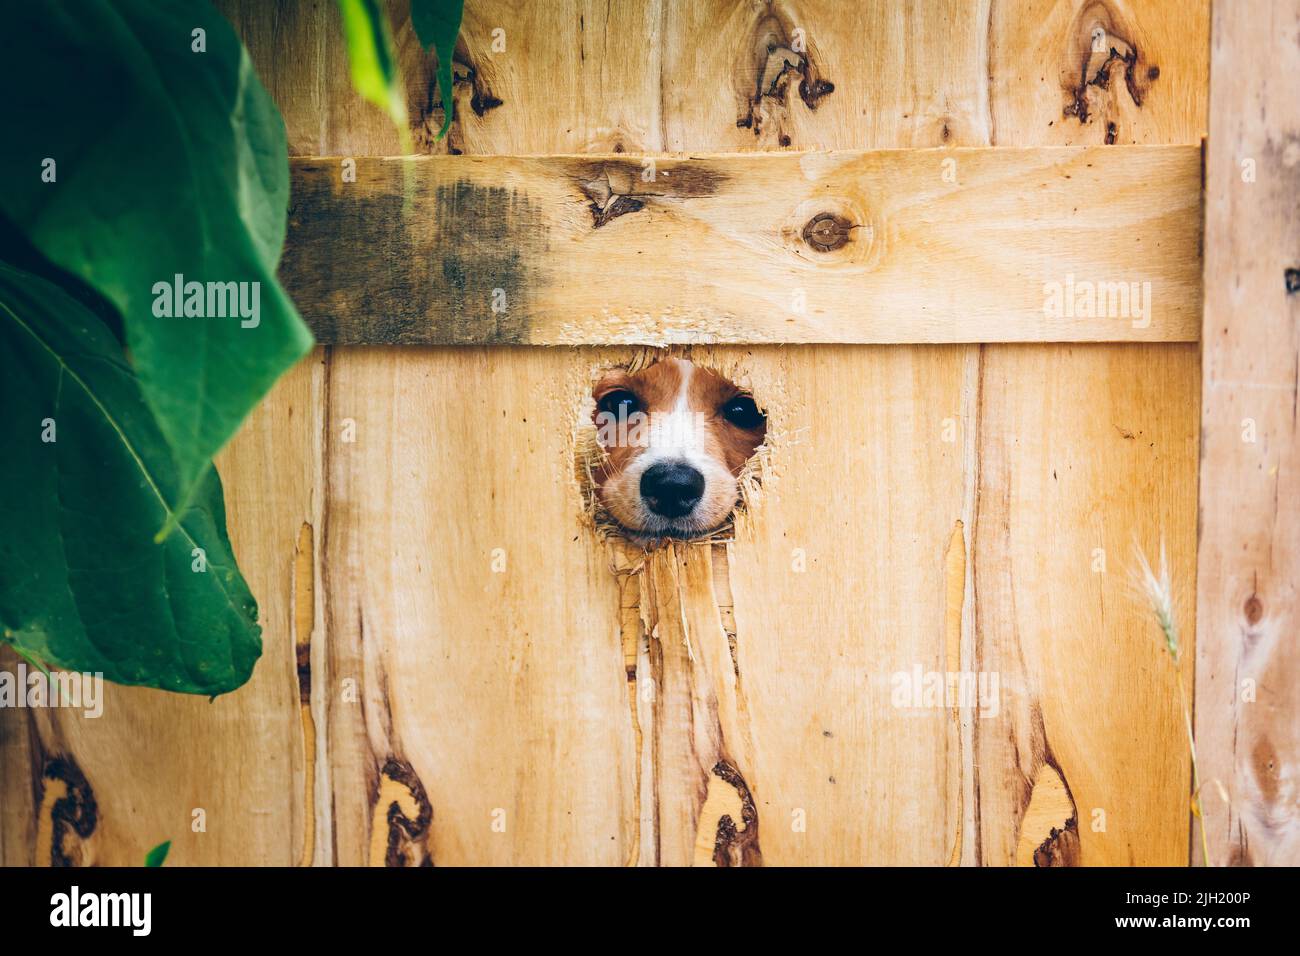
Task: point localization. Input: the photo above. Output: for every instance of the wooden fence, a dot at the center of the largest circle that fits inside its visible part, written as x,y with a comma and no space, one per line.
458,670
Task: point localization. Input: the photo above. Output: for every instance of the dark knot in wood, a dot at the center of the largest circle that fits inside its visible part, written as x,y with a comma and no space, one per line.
826,232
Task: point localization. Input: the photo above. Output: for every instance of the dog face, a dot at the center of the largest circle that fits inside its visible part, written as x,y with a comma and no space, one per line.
675,437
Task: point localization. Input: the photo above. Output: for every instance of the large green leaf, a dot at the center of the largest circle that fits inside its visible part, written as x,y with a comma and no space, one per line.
83,585
437,24
169,161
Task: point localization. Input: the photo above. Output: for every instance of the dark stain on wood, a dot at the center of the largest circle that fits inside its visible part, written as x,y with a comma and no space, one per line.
1099,59
304,590
766,78
74,813
1265,765
737,846
465,71
1254,610
407,838
812,90
482,101
617,206
488,240
678,179
303,659
455,264
1061,848
616,187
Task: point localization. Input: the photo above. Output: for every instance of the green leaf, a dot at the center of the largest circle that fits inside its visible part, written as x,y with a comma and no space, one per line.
175,164
437,24
374,66
158,854
83,585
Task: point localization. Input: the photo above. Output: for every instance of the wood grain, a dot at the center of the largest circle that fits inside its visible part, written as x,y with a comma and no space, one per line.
799,669
838,580
1098,71
958,245
825,75
467,715
1037,78
1073,474
1247,693
475,646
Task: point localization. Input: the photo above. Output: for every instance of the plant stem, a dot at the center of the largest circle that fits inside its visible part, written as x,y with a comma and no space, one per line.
1196,772
29,659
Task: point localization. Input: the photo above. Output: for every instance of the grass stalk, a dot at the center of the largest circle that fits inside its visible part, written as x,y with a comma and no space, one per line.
1157,589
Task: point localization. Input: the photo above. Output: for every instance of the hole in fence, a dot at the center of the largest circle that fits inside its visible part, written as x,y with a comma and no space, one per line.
669,450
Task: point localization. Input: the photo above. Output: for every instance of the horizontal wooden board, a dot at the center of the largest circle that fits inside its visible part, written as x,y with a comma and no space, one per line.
887,246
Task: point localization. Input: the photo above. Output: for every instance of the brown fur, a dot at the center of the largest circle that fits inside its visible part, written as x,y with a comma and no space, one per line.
722,444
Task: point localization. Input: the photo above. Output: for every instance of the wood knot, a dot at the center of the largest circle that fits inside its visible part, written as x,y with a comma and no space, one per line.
826,232
812,91
1254,610
401,817
67,806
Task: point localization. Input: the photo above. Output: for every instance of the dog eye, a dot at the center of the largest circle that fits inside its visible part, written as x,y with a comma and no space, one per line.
620,403
742,412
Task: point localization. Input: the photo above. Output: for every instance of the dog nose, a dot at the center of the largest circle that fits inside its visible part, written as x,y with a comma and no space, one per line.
671,488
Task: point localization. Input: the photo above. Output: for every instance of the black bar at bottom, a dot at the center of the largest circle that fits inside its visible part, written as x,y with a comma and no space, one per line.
239,905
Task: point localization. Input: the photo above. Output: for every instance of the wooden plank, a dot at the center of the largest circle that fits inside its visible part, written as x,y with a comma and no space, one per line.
477,675
962,245
1036,77
1087,759
1248,609
838,574
590,93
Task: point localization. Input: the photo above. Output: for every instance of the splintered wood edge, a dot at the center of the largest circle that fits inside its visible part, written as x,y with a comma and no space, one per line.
896,246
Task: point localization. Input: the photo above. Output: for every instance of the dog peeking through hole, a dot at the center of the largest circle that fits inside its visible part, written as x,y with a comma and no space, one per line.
674,438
